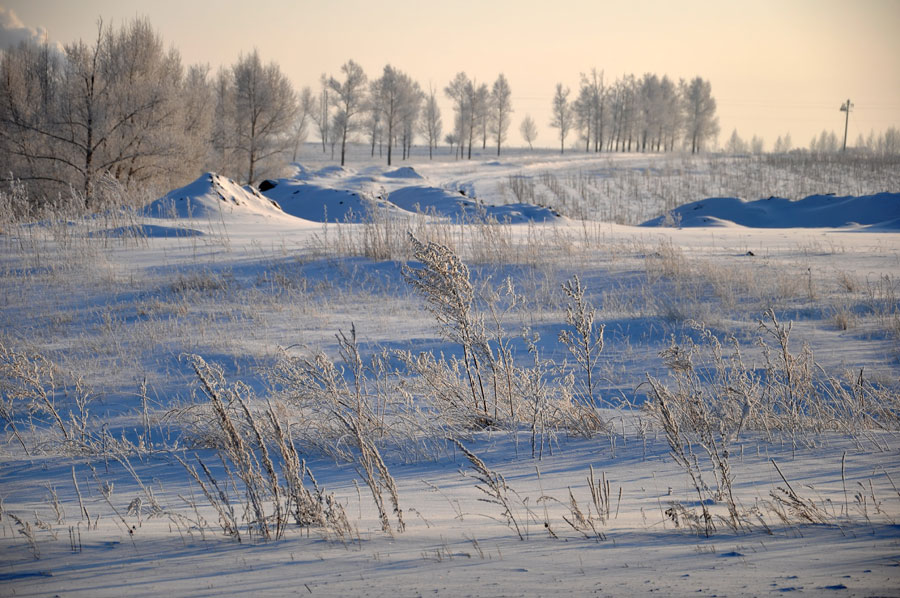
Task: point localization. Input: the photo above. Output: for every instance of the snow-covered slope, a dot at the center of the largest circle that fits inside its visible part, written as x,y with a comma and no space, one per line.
323,204
213,196
816,211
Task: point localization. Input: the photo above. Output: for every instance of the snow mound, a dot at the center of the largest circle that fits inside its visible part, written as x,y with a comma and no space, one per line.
404,172
460,208
881,211
212,196
323,204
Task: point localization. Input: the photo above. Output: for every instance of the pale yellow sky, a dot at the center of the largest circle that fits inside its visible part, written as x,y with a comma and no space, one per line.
776,66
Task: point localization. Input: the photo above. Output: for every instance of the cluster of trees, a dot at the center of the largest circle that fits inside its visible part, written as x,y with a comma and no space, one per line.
480,113
883,144
122,106
631,114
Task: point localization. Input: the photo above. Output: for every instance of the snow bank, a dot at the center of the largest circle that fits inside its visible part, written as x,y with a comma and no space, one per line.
213,196
404,172
880,211
323,204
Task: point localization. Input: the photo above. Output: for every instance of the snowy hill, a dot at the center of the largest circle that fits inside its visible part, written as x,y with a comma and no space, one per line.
816,211
320,203
213,196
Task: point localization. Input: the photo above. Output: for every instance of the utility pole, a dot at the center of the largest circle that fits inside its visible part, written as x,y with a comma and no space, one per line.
845,107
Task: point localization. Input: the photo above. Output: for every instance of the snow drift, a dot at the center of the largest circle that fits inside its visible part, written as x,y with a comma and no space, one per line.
309,201
213,196
881,211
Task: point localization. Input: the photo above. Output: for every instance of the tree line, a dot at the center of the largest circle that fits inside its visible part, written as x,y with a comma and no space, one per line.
635,114
122,107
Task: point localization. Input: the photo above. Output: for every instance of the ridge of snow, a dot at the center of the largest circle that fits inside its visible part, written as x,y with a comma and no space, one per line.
881,211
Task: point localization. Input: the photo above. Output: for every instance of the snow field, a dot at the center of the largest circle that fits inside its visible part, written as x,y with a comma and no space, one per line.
124,313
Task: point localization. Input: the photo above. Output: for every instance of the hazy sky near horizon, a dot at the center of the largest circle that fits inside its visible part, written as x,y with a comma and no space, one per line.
776,66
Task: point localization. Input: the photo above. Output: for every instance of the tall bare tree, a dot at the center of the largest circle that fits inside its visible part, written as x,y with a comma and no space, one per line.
397,98
501,105
306,106
321,116
700,122
432,125
460,91
265,107
349,100
562,115
529,131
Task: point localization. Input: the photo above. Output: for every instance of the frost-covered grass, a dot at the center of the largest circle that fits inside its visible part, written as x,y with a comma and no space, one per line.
488,409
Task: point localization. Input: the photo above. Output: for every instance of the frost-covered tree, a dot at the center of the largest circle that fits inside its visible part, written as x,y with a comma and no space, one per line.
501,106
321,115
349,100
735,145
461,90
891,143
432,125
305,107
529,131
397,98
409,116
264,107
782,144
700,120
757,145
650,111
372,122
451,139
584,107
111,107
562,116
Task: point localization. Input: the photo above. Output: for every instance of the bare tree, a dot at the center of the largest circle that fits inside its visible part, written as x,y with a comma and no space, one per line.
397,98
409,115
584,107
321,116
349,100
305,109
757,145
460,90
563,115
432,126
735,145
373,117
470,106
501,105
701,122
482,112
529,131
111,107
265,107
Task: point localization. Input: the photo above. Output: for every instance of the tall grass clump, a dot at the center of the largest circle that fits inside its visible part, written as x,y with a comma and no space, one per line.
712,396
486,386
256,450
342,405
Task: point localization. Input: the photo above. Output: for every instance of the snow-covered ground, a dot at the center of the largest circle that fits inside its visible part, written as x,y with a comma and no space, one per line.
116,307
